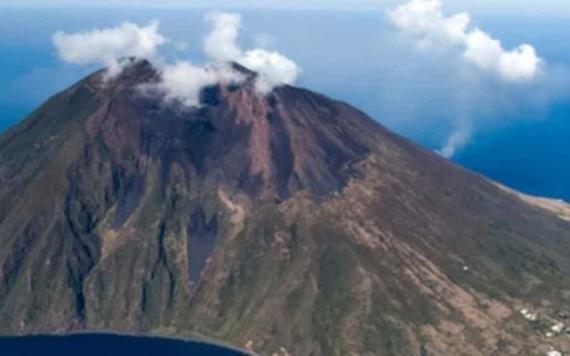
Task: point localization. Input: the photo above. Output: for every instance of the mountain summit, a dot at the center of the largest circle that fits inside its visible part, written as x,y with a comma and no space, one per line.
286,223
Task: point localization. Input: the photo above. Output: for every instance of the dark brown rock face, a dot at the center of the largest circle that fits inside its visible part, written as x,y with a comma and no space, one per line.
286,220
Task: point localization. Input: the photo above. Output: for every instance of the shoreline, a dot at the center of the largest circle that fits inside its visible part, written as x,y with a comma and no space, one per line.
188,339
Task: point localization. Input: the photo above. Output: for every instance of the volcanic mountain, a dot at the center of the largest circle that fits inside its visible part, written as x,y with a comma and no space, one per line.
287,223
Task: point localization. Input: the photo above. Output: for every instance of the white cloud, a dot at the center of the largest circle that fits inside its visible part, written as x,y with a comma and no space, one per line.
221,45
274,67
520,64
425,21
106,46
183,82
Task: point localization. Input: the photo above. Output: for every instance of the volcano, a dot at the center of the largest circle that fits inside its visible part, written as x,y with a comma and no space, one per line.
287,223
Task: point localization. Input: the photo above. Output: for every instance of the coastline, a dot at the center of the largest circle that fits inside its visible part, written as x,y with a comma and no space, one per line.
189,339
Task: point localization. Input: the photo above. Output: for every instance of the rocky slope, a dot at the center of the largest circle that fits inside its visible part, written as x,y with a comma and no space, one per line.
286,223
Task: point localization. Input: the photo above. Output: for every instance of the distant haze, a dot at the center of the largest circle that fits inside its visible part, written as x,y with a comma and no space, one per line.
556,7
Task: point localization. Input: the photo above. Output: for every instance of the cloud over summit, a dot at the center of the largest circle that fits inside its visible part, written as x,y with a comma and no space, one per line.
221,45
182,81
106,46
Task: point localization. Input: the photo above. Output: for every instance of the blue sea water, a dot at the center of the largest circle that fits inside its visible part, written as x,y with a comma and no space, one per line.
526,149
107,345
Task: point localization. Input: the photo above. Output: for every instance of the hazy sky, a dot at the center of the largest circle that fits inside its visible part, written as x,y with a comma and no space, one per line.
555,7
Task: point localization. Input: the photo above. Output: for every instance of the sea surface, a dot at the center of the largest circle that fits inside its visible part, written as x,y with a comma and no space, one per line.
106,345
528,150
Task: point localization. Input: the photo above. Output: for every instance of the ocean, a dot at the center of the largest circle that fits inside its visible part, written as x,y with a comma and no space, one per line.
107,345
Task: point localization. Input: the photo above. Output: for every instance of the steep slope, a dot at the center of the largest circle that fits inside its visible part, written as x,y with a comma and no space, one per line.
285,223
